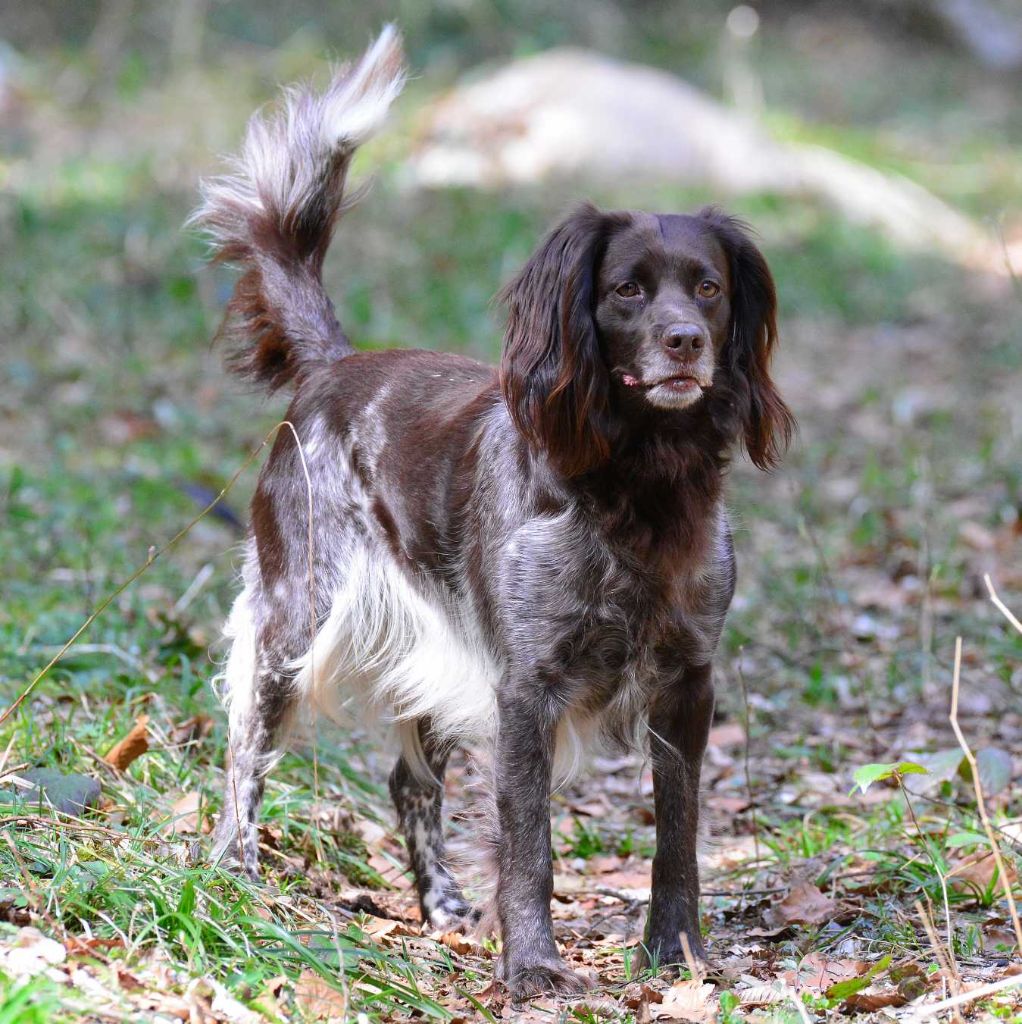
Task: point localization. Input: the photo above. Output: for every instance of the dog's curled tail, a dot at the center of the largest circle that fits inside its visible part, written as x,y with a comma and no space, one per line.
274,215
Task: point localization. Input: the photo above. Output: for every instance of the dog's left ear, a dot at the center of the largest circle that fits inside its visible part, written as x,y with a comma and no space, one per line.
767,422
552,375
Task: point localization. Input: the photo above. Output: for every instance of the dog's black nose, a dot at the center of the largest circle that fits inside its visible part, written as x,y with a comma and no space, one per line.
684,340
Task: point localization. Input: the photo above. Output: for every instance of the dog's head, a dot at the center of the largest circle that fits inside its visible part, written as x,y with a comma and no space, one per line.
641,317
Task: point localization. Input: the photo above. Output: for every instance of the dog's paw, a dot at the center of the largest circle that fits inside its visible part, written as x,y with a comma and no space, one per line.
525,981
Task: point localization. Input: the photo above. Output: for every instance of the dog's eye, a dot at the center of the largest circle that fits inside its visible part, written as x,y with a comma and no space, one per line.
628,290
708,289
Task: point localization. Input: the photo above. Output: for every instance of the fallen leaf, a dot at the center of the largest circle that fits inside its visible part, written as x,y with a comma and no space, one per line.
685,1000
858,982
995,770
977,536
78,945
941,766
381,927
128,981
804,904
31,953
644,995
998,935
728,804
818,972
191,730
319,1000
867,1002
976,873
226,1008
458,943
730,734
371,832
184,816
759,995
596,808
131,746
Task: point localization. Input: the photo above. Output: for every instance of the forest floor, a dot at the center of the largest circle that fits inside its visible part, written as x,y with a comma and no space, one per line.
861,561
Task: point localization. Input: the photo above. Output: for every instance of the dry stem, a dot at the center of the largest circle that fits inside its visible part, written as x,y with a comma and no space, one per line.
1002,874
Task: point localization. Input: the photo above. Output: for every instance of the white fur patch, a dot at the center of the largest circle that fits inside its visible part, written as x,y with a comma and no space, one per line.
388,646
234,684
354,112
286,153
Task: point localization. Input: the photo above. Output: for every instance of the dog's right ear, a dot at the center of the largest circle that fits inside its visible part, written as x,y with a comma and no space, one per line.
552,375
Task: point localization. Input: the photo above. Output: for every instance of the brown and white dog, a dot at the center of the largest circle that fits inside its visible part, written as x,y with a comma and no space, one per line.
522,559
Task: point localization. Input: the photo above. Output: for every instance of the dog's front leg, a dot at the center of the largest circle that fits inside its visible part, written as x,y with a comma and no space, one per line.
529,964
679,722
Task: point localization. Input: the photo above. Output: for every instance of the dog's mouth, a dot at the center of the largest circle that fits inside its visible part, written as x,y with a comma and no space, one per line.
681,384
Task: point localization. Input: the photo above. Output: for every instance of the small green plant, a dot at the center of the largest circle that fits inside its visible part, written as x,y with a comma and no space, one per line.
585,841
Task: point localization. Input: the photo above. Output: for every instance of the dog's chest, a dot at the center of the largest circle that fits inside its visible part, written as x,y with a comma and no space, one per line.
597,612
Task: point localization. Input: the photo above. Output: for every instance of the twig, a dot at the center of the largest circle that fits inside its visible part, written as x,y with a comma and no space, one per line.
936,867
969,997
1002,874
748,774
1000,605
68,822
114,651
153,554
313,622
803,1013
200,580
3,759
949,805
947,968
926,610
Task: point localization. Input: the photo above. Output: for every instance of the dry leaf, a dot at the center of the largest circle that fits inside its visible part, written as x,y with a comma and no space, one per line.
381,927
184,816
191,730
645,995
128,981
868,1001
730,734
32,953
818,971
78,945
759,995
134,745
371,832
804,904
975,873
458,943
319,1000
685,1000
728,804
977,536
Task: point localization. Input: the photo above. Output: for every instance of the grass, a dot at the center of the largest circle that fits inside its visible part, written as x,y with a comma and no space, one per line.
859,563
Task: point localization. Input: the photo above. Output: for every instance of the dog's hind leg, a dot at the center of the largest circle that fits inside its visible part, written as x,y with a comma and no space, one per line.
419,803
263,703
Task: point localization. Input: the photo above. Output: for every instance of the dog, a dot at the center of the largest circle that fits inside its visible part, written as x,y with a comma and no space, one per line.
524,559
